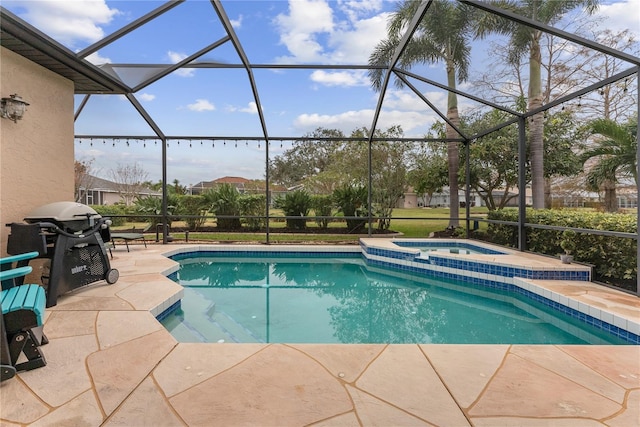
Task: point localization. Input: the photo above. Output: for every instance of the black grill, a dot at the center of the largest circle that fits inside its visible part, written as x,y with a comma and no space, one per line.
72,237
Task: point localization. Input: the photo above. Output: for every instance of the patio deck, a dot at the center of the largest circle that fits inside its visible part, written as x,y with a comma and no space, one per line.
111,363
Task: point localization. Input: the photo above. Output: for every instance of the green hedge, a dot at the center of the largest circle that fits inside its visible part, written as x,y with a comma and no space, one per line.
614,258
110,210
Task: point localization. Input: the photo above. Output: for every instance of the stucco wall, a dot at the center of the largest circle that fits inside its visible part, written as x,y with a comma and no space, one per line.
36,153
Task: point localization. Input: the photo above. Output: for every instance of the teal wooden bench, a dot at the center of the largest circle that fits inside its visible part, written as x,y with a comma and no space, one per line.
23,309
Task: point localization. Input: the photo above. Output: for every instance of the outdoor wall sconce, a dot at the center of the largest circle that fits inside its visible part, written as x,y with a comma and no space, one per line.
13,108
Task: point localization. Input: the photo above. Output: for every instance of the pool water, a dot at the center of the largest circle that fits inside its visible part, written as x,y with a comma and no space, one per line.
342,300
452,247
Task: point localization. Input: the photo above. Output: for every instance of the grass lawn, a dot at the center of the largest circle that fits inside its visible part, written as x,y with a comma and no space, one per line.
413,222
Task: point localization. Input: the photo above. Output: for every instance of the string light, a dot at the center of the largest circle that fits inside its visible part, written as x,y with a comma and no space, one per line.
625,85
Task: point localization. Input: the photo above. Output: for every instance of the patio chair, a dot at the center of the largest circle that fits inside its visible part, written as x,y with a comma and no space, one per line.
23,309
130,236
20,260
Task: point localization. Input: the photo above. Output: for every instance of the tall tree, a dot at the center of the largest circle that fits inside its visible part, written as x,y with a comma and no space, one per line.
306,158
615,152
443,35
129,180
83,179
428,173
523,40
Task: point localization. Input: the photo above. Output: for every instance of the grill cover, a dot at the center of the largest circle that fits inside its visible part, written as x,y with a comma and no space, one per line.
71,216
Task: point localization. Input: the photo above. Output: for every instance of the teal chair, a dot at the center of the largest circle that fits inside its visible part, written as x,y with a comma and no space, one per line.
22,319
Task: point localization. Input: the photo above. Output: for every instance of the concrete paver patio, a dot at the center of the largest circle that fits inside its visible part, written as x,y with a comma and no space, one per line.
111,363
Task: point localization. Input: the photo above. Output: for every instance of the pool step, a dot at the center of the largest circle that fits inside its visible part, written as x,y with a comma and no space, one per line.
235,331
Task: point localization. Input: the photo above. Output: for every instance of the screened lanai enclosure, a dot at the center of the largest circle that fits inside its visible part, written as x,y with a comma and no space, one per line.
463,100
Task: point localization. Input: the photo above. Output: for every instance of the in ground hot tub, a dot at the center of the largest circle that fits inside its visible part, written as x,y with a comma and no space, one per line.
447,246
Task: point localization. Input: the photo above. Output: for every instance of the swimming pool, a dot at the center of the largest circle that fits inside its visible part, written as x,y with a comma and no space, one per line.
321,298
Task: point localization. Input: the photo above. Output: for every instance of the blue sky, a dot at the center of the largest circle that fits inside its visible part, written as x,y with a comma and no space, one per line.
219,102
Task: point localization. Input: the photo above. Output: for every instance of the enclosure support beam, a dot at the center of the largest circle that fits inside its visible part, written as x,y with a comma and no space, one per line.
467,188
165,207
522,185
637,190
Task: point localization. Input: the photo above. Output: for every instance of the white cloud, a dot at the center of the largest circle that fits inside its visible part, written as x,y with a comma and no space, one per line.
70,22
147,97
176,57
355,43
96,59
406,100
411,121
314,32
341,78
251,108
201,105
622,15
237,23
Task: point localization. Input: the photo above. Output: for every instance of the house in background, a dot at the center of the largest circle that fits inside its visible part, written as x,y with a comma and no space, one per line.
243,185
97,191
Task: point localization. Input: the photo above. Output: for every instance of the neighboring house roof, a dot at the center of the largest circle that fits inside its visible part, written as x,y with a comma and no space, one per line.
237,181
231,180
94,183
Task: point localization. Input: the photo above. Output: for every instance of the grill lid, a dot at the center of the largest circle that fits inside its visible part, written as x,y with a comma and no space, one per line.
62,212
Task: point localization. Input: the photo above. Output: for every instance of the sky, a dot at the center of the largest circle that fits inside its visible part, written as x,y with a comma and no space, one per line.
219,102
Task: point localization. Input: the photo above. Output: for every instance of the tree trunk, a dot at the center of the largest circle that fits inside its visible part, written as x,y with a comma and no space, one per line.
610,199
536,141
453,154
547,193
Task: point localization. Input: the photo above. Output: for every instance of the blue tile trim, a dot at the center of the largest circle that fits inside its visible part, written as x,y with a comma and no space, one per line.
160,317
272,254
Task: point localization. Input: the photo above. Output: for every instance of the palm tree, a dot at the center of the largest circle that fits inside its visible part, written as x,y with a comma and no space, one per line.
616,156
523,39
443,35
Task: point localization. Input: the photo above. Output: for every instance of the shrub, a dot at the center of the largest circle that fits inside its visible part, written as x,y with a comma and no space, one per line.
253,205
352,201
322,206
152,206
295,203
194,209
224,202
614,258
116,213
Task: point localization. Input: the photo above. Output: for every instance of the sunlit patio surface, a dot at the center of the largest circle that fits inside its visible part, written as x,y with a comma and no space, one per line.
109,362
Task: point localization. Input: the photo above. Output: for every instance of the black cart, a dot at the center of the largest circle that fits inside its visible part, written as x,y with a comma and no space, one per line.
72,237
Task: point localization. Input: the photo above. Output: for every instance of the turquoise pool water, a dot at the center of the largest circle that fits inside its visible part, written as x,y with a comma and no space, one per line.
342,300
452,247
